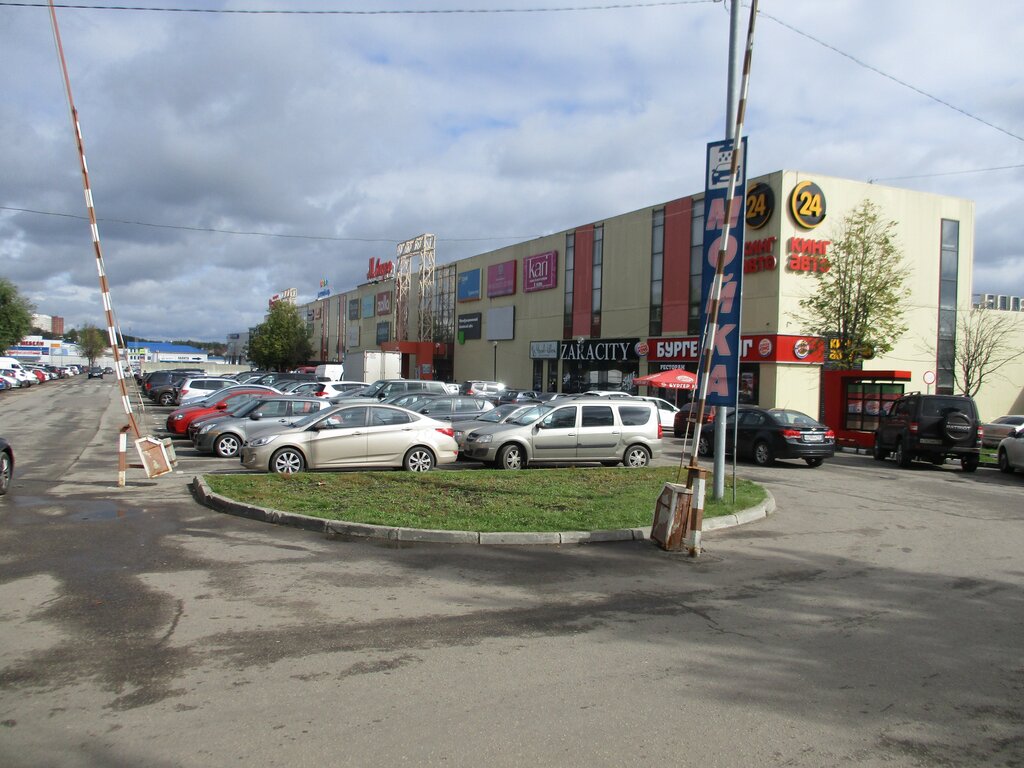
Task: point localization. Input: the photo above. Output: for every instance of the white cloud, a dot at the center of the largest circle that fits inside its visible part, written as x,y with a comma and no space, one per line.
371,129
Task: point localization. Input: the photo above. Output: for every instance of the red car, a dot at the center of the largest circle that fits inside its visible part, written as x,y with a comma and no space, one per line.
179,419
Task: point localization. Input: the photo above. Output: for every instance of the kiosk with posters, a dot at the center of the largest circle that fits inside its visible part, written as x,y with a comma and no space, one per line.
854,401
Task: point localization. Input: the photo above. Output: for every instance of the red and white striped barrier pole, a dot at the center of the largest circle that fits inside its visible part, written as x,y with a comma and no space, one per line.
695,476
104,285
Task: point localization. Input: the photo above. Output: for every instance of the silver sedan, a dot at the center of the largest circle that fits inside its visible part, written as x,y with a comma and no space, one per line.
1011,451
357,435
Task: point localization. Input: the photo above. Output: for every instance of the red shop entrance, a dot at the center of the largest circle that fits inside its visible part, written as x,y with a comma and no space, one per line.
853,402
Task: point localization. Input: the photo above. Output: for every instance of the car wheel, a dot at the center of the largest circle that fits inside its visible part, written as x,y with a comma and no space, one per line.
636,456
703,445
763,455
6,473
969,463
227,446
166,398
511,457
817,462
418,459
903,458
879,453
287,461
1004,463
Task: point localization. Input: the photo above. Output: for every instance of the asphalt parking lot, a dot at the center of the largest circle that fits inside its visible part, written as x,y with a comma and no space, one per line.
874,620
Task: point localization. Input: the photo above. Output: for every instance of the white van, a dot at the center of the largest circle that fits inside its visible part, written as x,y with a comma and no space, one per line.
20,373
569,431
329,372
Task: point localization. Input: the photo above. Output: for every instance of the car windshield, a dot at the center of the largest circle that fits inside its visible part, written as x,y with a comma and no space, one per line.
531,415
244,406
499,413
792,418
373,389
309,418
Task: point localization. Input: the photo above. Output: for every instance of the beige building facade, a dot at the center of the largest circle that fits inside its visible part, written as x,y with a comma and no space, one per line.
594,306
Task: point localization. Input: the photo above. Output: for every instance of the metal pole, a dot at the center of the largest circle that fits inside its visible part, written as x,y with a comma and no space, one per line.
711,329
732,101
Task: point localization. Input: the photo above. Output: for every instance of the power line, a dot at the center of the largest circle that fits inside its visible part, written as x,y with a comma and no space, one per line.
947,173
254,233
483,11
886,75
351,12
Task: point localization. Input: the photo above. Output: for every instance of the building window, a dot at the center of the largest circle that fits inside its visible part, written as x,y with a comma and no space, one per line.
444,304
949,261
696,265
570,260
595,303
657,270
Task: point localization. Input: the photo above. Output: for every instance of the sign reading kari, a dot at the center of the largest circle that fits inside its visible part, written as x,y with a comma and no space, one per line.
722,380
540,272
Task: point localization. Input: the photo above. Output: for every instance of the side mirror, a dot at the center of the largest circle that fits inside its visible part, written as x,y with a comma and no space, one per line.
256,415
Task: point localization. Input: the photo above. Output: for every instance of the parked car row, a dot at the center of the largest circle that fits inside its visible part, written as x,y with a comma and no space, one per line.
399,423
15,374
224,415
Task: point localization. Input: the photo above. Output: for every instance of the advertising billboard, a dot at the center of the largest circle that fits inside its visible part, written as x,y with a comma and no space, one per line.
501,323
468,288
722,381
540,272
501,279
470,326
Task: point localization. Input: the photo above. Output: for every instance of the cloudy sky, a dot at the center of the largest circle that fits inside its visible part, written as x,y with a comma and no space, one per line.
234,155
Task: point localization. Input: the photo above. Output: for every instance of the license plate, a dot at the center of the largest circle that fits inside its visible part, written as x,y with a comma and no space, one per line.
812,437
930,441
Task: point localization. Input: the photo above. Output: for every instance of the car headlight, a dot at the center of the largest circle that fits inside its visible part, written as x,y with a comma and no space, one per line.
483,438
265,440
179,416
207,428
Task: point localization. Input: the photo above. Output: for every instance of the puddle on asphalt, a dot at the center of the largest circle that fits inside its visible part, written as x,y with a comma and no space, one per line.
77,510
100,510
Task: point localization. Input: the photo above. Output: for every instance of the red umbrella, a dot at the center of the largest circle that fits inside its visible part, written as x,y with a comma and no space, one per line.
676,378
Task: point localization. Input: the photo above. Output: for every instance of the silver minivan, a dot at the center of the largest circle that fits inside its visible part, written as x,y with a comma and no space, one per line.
571,431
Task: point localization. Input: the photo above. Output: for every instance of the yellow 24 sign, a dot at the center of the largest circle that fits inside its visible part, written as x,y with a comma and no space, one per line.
807,204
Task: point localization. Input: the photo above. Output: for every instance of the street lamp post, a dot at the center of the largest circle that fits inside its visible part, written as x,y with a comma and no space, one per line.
495,361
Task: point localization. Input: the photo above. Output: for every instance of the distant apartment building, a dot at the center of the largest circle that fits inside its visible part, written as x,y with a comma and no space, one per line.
998,301
51,324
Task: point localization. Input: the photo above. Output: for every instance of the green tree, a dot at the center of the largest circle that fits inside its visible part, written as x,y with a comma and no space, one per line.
861,298
282,341
15,315
985,342
92,341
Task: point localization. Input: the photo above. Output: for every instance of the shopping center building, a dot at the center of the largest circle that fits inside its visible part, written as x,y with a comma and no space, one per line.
598,304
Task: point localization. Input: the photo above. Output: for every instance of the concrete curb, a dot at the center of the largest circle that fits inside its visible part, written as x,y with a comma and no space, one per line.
334,528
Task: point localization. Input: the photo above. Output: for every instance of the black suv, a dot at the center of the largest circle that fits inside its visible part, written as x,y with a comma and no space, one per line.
930,428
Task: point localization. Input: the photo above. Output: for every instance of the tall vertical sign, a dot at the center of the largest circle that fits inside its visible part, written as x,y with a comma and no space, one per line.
722,381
